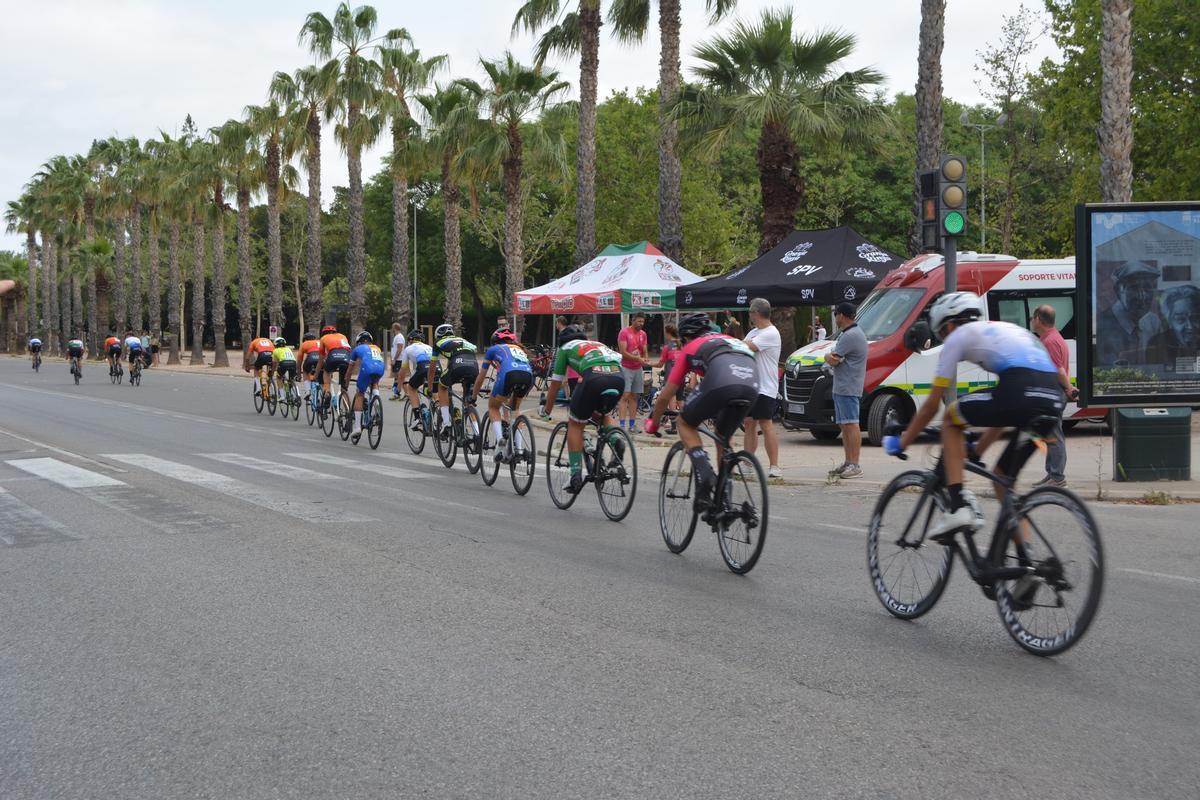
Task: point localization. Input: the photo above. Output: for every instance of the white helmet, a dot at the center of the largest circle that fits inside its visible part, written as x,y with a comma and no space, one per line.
954,307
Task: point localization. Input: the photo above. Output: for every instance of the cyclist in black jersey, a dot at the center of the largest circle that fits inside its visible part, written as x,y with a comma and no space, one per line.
461,369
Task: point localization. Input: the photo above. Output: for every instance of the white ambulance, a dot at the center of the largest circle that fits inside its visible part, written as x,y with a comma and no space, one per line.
897,378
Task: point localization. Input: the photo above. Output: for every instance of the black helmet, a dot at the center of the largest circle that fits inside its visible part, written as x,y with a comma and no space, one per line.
570,334
415,335
310,337
693,325
363,336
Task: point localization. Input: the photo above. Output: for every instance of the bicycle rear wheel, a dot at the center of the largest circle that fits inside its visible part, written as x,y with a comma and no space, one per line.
558,468
489,466
1051,612
908,571
676,500
414,427
523,455
294,400
345,417
327,415
472,441
272,397
446,446
78,374
616,473
259,402
310,411
742,530
375,430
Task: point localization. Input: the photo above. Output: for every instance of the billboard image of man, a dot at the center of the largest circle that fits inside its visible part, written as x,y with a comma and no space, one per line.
1125,329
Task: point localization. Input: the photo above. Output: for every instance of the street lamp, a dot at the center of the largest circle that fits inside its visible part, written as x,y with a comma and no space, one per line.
965,120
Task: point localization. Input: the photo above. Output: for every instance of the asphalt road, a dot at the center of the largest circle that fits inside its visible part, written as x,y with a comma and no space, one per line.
199,601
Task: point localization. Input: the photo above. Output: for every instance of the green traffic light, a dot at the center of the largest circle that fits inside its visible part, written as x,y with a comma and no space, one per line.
953,223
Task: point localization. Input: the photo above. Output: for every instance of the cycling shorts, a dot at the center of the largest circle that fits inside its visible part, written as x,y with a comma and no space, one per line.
114,349
263,360
37,348
461,373
336,361
286,369
75,352
310,363
514,383
597,393
134,355
727,403
1019,395
368,377
417,379
396,367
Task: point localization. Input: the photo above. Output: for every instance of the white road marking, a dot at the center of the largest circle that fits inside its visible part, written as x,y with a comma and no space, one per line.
24,524
1166,575
266,496
59,450
349,463
62,473
428,462
276,468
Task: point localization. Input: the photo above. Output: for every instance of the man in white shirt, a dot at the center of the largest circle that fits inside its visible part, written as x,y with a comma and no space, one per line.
766,343
397,358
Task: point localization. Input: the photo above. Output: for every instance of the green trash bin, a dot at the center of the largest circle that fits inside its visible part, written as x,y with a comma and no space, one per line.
1152,444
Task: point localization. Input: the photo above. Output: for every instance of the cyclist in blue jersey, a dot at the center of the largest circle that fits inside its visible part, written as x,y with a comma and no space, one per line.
514,378
35,347
1027,387
367,362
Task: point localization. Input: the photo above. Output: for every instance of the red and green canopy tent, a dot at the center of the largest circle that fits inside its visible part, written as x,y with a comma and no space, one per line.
622,279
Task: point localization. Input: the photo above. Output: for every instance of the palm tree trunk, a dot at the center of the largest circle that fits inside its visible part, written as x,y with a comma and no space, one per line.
31,305
274,253
136,319
122,310
245,282
450,197
929,105
197,292
154,289
173,284
76,304
220,357
514,241
782,193
314,305
46,323
1116,127
93,324
356,271
585,151
670,173
401,285
64,296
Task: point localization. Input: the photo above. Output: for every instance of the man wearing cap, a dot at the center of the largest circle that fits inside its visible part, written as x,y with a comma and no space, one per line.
1124,329
849,362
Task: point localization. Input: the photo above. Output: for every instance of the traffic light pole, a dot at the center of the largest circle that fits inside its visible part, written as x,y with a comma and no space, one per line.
950,252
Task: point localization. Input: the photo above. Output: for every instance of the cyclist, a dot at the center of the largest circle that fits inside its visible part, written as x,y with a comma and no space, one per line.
133,350
600,388
728,387
283,363
258,356
514,378
370,368
310,354
334,356
35,349
461,369
1027,387
414,364
75,354
112,350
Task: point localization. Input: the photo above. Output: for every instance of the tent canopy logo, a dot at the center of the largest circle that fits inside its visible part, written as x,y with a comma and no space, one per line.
796,253
850,293
741,297
736,272
805,269
808,294
524,303
860,272
687,299
645,300
565,303
606,302
871,253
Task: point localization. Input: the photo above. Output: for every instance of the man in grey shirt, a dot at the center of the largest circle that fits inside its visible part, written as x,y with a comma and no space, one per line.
849,362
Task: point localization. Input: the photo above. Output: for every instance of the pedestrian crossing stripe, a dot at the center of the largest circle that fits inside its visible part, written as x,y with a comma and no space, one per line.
375,469
272,467
62,473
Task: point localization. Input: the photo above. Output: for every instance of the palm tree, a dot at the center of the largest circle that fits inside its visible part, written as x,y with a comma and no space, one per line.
152,189
404,75
12,267
174,209
516,93
1115,132
929,105
574,32
452,120
762,79
191,184
129,177
112,153
270,124
630,19
96,257
19,218
238,148
348,38
307,94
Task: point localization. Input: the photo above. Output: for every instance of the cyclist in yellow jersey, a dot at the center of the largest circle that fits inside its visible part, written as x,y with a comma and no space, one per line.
283,363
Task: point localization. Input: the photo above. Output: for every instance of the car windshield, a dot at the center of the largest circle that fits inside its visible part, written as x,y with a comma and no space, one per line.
885,310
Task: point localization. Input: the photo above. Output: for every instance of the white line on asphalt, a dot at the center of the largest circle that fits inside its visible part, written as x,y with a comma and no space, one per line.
273,467
1150,574
58,450
18,520
63,474
349,463
426,462
266,496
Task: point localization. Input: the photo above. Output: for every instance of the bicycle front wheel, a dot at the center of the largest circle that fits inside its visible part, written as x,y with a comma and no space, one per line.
522,455
558,468
742,530
375,430
294,401
327,415
258,396
272,397
1059,541
345,417
676,500
908,571
414,427
472,441
445,445
490,451
616,473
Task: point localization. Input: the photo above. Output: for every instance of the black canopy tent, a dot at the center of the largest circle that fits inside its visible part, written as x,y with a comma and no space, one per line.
808,268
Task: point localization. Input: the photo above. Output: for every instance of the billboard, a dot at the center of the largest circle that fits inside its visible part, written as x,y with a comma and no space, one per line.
1138,271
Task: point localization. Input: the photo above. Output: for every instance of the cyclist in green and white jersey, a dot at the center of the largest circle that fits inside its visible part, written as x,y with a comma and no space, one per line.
596,395
75,354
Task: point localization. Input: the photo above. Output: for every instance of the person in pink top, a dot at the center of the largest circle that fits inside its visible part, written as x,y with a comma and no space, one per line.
1056,446
632,344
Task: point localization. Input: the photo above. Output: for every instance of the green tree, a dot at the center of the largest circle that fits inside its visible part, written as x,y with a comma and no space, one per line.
238,148
19,218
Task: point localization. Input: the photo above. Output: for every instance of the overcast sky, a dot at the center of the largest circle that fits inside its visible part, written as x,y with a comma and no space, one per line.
77,70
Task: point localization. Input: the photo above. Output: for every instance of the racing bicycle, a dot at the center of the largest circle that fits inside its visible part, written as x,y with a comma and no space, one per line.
116,372
516,448
372,418
609,461
135,372
465,434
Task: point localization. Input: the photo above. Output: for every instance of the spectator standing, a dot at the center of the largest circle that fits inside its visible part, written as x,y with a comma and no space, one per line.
765,341
849,362
1056,446
397,359
632,343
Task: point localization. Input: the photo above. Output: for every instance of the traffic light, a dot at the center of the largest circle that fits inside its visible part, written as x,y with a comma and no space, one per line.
952,196
931,234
